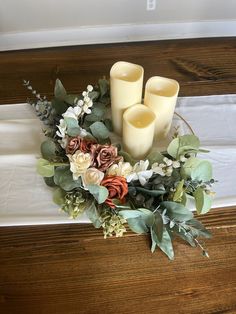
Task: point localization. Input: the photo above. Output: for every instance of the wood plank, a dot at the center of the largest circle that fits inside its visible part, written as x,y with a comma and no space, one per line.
71,268
202,66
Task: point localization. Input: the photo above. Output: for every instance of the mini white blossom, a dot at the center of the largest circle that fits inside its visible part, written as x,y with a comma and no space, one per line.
169,171
62,127
140,172
72,112
158,169
63,142
176,164
122,169
167,161
92,176
79,163
161,165
84,93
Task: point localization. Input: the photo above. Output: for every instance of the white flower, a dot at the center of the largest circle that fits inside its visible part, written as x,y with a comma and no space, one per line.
167,161
122,169
79,163
72,112
140,172
63,142
92,176
62,128
158,169
176,164
89,88
169,171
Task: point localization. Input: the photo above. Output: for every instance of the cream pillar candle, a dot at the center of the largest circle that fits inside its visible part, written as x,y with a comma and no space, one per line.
126,83
160,96
138,130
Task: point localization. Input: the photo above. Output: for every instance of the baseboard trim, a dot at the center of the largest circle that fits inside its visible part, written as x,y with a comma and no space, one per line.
115,34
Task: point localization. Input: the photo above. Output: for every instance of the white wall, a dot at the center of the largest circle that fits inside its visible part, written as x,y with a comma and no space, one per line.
22,17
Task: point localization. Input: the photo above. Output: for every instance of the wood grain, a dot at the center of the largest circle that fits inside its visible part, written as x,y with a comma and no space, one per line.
71,269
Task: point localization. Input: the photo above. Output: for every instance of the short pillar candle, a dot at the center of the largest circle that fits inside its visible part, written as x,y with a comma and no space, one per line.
126,83
160,96
138,130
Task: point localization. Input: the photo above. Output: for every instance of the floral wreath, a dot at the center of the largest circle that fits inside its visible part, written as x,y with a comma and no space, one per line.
92,175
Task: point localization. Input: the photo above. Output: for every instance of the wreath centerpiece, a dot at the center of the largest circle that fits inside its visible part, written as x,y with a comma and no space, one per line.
91,174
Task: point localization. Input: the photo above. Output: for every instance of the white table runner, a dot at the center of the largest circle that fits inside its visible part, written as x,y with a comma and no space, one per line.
26,200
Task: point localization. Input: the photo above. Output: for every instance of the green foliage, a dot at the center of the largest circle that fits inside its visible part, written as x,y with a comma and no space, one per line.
155,156
127,157
183,145
48,149
73,128
179,192
202,200
59,106
59,196
99,130
177,211
100,193
165,244
45,168
59,90
64,179
94,214
197,169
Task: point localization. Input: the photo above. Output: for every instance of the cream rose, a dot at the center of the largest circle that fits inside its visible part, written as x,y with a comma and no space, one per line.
92,176
79,163
122,169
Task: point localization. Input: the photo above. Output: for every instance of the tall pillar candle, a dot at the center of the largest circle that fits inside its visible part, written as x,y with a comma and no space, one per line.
126,83
161,96
138,130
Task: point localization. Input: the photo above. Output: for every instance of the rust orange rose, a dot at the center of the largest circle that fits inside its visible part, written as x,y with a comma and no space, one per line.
117,187
73,145
104,156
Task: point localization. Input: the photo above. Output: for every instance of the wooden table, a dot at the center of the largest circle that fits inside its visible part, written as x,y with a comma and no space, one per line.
71,268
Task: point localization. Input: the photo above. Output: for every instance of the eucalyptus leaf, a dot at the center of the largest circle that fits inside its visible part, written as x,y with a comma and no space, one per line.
59,106
99,130
94,215
100,193
70,99
202,200
137,225
59,90
49,181
179,192
182,145
108,124
155,156
151,192
203,171
177,211
45,168
48,149
59,196
158,225
63,178
127,157
189,166
93,95
103,86
173,147
165,244
200,230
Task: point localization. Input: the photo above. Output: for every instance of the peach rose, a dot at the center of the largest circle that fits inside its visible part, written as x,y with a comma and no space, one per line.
85,145
117,187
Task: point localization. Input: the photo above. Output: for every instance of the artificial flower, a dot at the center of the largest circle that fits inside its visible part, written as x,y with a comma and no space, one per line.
72,112
79,163
62,127
140,172
158,169
122,169
85,145
92,176
73,145
117,187
104,156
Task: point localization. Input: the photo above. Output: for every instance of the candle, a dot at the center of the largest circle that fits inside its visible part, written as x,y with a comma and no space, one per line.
138,130
160,96
126,83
